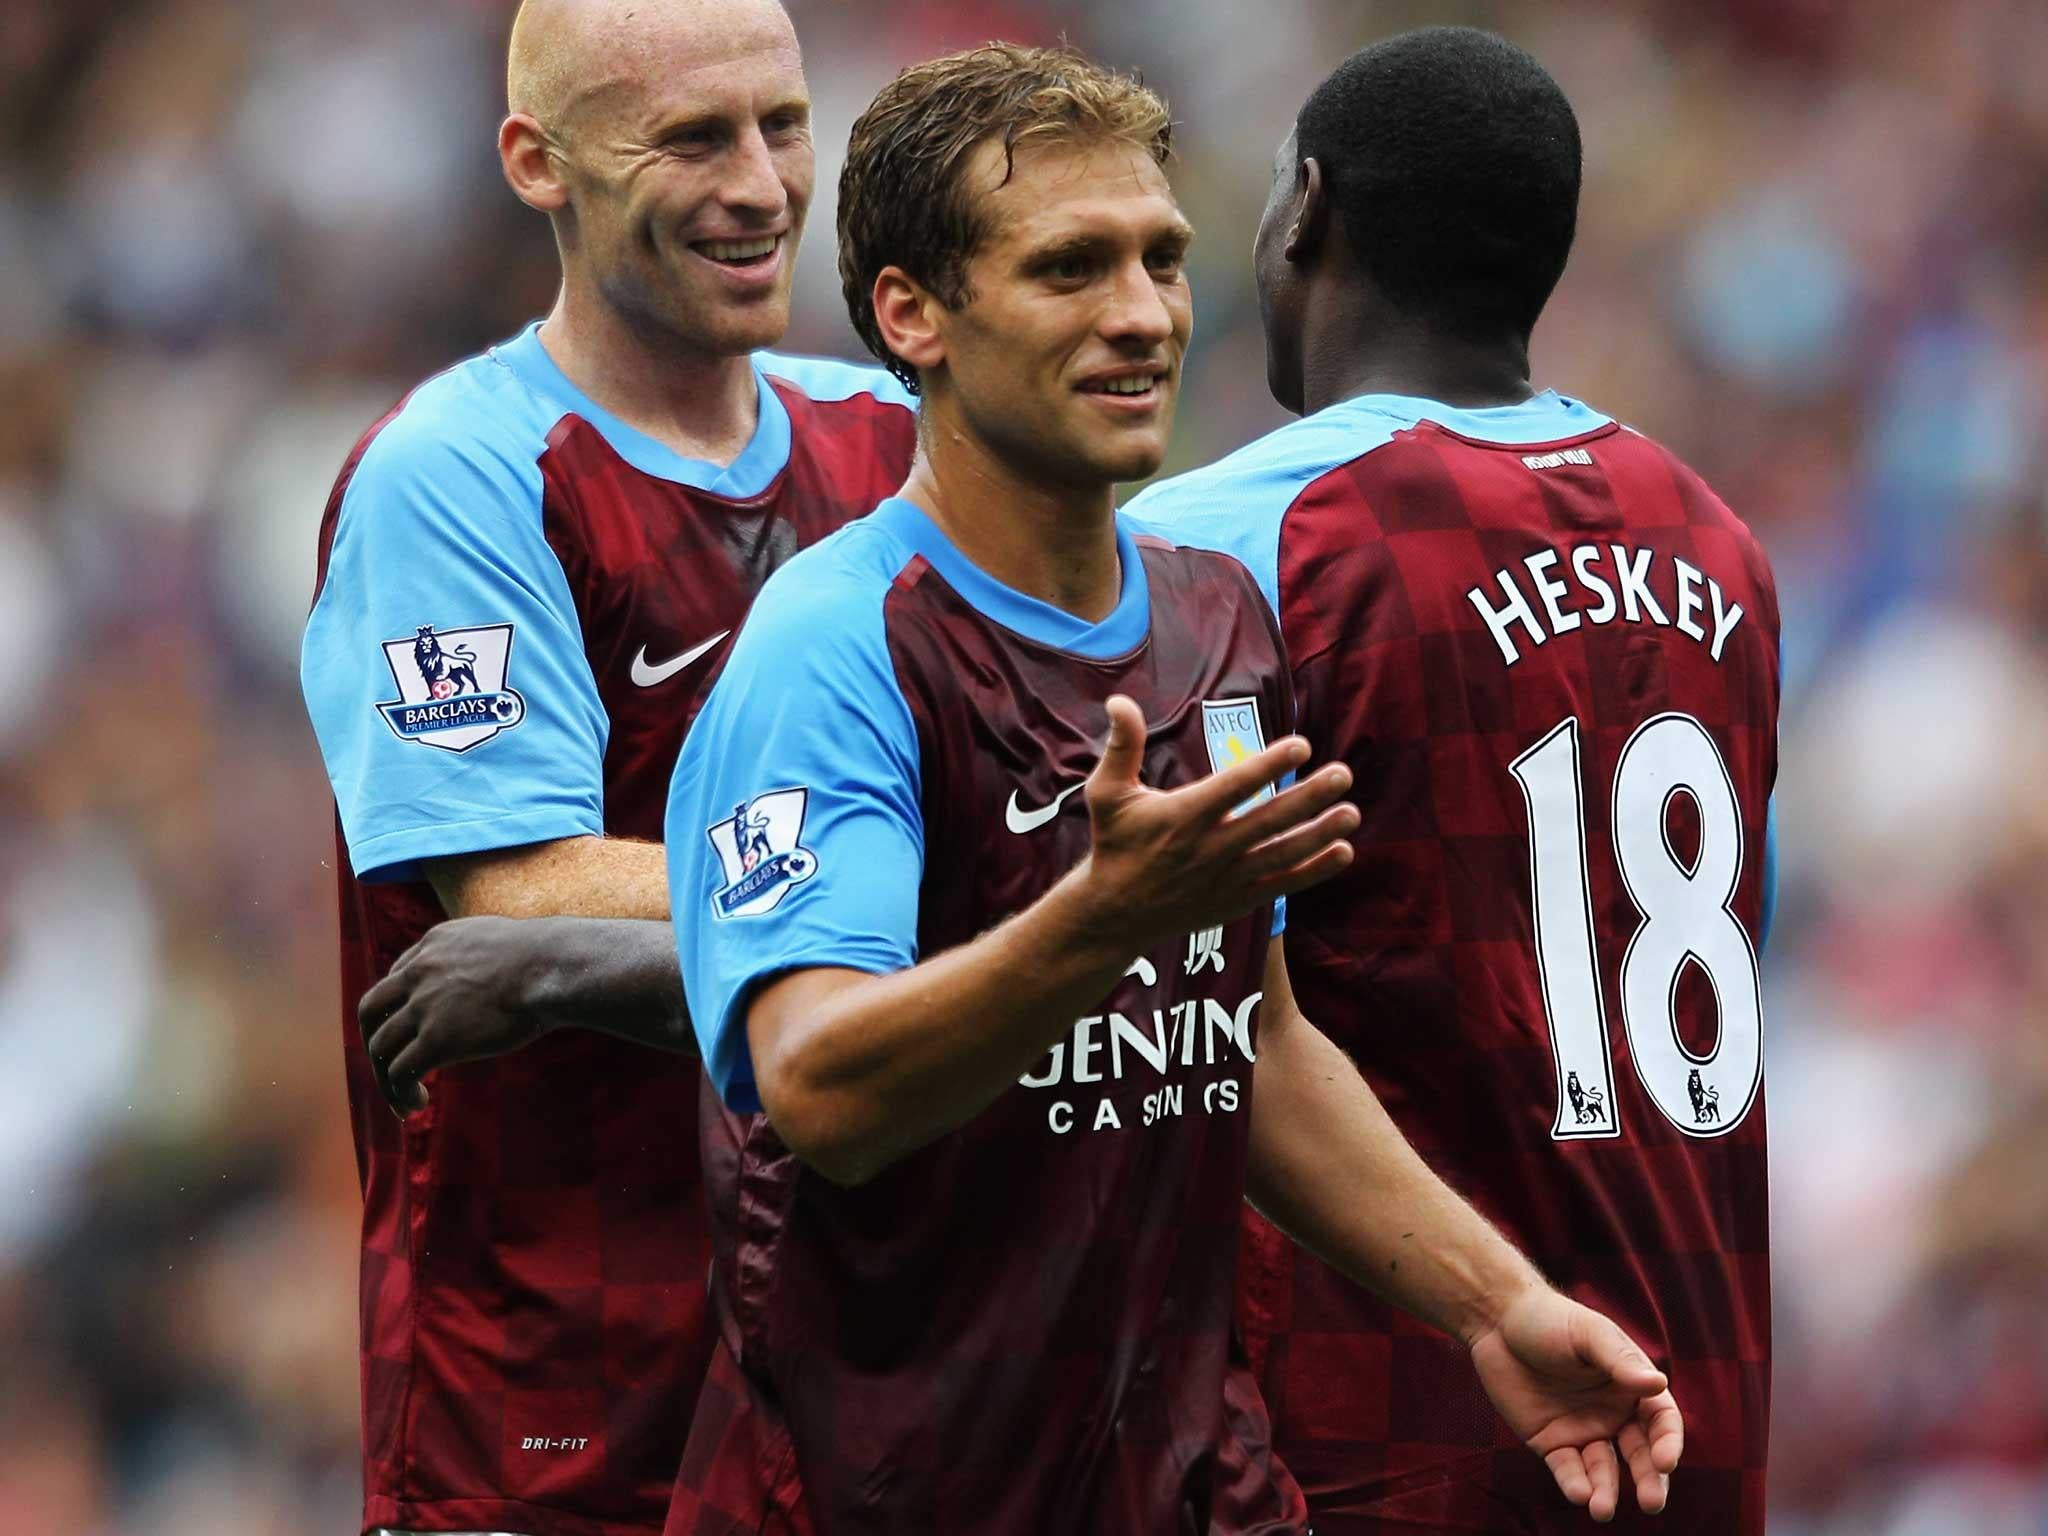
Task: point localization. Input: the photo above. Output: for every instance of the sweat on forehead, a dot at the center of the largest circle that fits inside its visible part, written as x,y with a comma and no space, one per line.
565,53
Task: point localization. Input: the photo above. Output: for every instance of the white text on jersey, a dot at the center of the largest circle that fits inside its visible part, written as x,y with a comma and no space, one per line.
1692,592
1557,460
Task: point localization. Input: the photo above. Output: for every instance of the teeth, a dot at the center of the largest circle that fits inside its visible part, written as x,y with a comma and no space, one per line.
1135,386
738,250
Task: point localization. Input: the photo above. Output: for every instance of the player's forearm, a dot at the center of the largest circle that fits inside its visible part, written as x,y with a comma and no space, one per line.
1329,1168
615,975
855,1071
612,877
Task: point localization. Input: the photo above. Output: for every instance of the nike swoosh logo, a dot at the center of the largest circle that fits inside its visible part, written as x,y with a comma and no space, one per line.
1020,821
647,676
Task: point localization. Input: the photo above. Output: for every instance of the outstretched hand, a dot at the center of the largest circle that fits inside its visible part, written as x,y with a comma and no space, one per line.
1179,860
1572,1385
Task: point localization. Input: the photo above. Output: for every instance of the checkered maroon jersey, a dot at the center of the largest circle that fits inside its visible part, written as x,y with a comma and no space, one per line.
534,1253
1024,1327
1550,656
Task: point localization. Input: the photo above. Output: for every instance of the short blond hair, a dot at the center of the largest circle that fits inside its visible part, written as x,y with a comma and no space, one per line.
903,198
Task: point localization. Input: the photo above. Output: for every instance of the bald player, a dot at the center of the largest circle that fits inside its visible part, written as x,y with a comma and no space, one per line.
528,570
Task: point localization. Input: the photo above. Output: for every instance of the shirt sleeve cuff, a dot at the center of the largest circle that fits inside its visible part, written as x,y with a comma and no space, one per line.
395,856
727,1052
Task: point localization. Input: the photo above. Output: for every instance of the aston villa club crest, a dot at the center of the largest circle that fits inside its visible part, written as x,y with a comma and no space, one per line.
452,690
1233,733
759,847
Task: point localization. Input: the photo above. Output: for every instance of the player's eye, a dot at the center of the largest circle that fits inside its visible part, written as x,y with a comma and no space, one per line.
1166,262
1069,267
694,140
783,125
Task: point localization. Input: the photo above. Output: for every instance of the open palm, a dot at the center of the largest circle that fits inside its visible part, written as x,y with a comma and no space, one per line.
1572,1385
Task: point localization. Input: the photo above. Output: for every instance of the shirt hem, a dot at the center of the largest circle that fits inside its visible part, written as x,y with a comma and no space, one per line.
512,1516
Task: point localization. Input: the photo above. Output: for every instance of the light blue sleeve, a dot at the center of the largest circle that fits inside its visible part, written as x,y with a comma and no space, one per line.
494,737
795,832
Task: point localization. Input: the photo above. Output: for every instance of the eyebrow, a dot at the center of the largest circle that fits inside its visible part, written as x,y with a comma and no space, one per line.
666,124
1179,234
1060,250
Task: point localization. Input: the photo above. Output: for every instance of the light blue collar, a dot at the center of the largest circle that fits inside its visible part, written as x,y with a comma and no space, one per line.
1542,418
1122,631
743,479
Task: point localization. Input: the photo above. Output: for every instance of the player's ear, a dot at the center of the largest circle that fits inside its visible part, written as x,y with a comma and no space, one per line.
1311,214
529,163
907,315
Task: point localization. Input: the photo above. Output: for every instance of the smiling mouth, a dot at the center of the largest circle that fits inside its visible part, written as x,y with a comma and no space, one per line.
1137,386
739,255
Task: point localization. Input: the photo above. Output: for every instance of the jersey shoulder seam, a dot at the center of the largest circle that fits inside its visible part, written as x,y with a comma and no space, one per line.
435,430
859,378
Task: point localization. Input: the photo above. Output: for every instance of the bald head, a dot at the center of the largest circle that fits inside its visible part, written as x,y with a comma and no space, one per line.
567,57
669,143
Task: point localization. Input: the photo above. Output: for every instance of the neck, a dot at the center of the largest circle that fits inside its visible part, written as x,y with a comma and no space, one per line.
1364,350
1057,544
701,404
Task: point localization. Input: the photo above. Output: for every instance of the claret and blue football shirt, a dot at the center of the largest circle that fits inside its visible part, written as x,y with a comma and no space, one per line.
521,601
1025,1326
1549,655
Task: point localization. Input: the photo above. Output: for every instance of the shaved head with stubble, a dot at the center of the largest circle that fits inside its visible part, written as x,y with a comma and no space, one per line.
669,142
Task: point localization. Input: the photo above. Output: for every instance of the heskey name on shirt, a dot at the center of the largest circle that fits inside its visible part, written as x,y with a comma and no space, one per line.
1621,581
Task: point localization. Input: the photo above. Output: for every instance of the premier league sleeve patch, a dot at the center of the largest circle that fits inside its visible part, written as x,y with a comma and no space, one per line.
1233,733
759,846
452,689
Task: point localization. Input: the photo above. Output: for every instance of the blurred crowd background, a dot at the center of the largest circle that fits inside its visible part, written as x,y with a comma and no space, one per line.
1813,258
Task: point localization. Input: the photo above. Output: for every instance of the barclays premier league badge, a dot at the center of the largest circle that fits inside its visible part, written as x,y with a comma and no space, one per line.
452,692
758,845
1233,733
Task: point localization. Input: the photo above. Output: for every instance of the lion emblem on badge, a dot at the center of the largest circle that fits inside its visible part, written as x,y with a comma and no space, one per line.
453,692
446,672
1589,1105
1706,1102
753,834
760,848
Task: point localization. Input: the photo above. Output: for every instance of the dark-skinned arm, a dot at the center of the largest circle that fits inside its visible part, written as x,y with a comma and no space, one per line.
480,986
475,987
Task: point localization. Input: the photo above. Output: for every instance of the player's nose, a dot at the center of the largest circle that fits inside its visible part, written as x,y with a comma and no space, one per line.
1136,310
754,175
